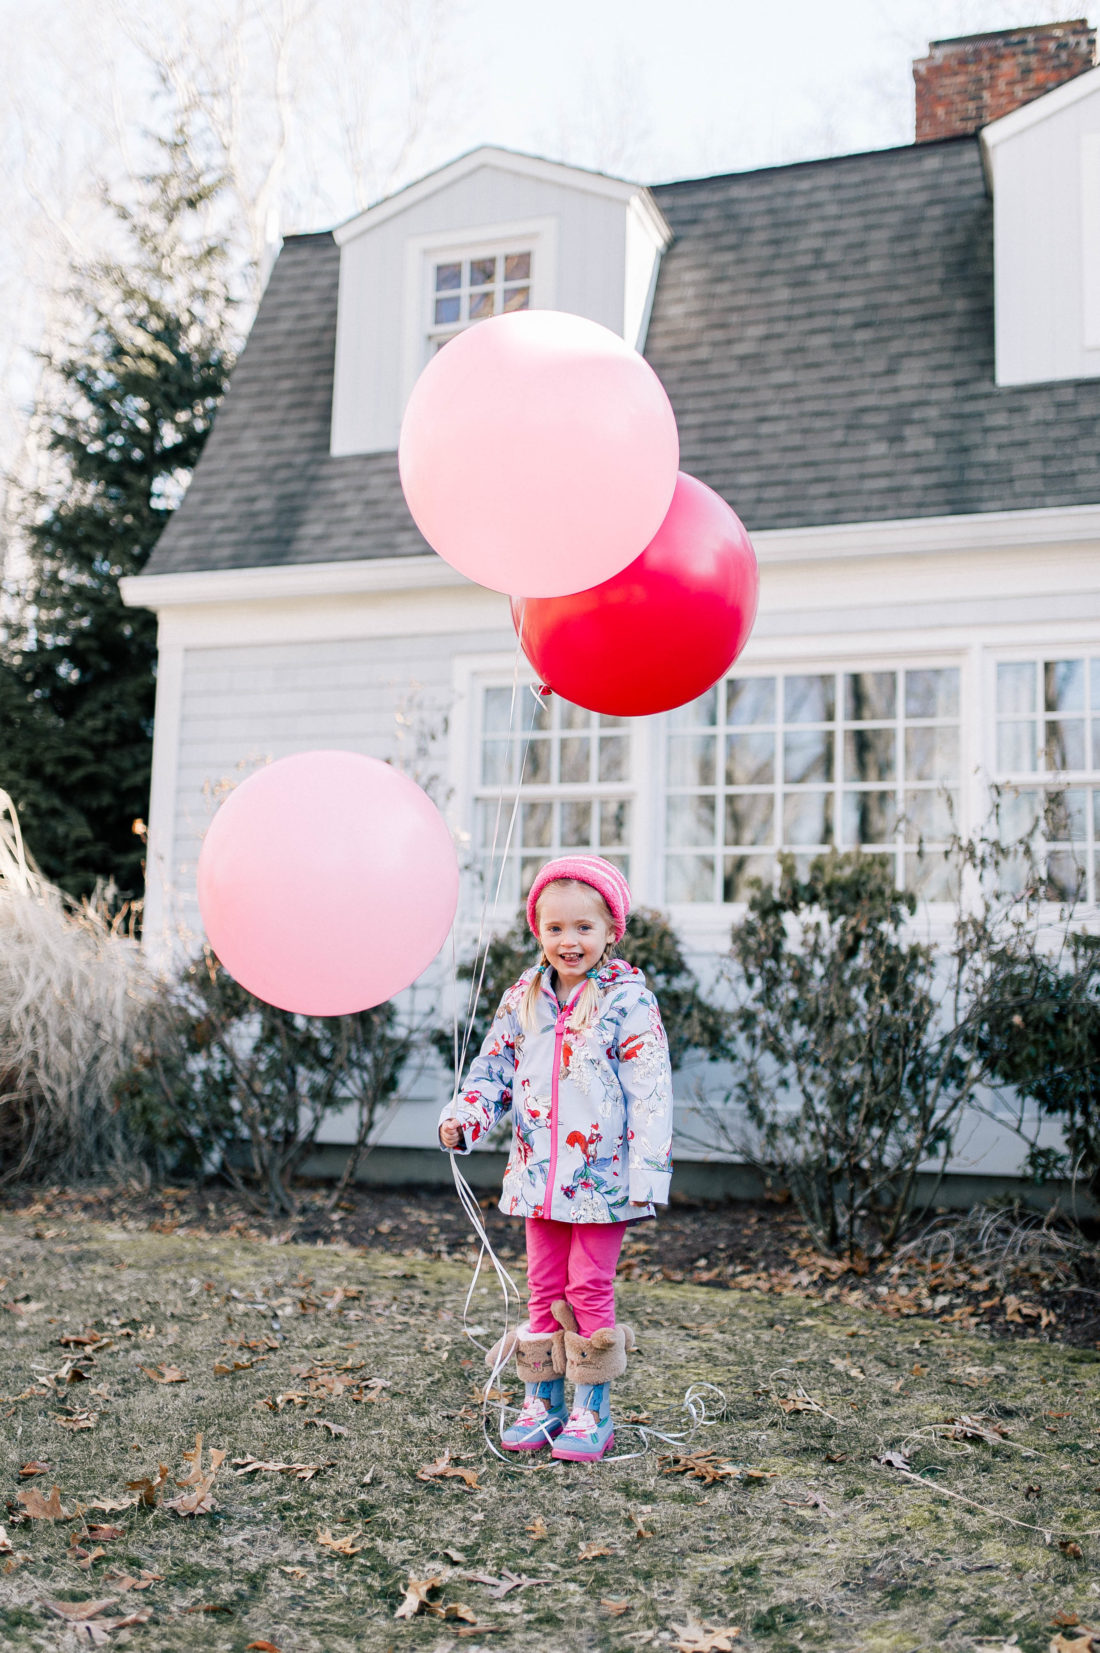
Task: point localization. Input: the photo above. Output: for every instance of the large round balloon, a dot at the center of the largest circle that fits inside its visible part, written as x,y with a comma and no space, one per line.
659,633
327,882
538,453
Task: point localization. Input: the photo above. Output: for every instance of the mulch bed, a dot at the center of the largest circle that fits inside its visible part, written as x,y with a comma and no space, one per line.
1048,1288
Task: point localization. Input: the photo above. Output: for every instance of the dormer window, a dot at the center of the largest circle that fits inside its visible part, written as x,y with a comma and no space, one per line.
471,288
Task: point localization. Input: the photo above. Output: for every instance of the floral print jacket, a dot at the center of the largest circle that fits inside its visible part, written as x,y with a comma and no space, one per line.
591,1111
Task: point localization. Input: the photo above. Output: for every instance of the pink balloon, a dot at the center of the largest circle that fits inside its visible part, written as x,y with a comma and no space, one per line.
327,883
538,453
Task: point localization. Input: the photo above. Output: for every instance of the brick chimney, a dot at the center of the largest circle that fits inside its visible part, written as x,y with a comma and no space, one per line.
964,84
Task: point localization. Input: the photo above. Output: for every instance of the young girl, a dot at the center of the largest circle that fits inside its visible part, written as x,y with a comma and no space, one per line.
578,1052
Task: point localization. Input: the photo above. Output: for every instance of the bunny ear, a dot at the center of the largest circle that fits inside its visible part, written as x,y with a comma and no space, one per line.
604,1338
563,1314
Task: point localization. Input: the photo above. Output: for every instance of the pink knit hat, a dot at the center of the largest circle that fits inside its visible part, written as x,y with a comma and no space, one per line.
586,869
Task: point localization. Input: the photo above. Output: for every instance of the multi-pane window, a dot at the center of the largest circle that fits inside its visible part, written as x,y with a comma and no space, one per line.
466,290
1048,759
805,761
574,790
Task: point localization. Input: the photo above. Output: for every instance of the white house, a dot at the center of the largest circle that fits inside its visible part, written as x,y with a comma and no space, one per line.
888,364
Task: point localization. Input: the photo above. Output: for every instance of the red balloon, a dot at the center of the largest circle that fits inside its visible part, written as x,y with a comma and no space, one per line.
659,633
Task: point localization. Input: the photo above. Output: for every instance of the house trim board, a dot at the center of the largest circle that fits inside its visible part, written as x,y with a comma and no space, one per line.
991,532
527,166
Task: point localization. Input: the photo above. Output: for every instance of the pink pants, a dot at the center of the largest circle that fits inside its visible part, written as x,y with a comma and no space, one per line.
576,1261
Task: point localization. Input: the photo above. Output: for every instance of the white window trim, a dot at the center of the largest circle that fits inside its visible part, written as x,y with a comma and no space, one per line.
1051,645
794,658
539,236
470,676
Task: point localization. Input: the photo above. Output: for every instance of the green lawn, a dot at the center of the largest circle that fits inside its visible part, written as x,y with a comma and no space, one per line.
803,1541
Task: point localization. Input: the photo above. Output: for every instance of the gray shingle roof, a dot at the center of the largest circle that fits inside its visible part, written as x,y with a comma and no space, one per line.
825,332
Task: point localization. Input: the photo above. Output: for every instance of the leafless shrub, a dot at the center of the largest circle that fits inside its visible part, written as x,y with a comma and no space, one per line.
1005,1241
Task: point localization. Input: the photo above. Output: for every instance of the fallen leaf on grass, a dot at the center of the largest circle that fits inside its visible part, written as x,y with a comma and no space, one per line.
301,1472
813,1501
37,1466
37,1508
1061,1620
341,1546
126,1581
836,1457
442,1468
538,1528
797,1403
417,1591
1070,1547
110,1505
100,1534
589,1552
5,1543
84,1558
975,1428
457,1557
147,1490
78,1610
508,1580
325,1423
196,1498
75,1419
296,1572
640,1528
893,1460
699,1638
1085,1641
262,1647
165,1374
616,1608
700,1466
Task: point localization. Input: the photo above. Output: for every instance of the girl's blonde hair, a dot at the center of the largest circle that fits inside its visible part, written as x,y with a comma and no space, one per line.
586,1009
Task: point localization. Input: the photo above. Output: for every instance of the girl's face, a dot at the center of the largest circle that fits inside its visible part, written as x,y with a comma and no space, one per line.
574,928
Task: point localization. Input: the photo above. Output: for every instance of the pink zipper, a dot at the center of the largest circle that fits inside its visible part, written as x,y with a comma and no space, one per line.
559,1040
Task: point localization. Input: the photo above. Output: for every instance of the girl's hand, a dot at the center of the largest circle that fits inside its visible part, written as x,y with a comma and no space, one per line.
450,1134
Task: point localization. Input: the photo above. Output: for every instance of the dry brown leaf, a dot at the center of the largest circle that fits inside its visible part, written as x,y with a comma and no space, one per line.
264,1466
340,1546
589,1552
147,1490
326,1423
5,1543
1061,1620
442,1468
122,1582
417,1591
165,1374
38,1508
797,1403
701,1466
699,1638
100,1534
617,1608
1070,1547
37,1466
84,1558
1085,1641
477,1629
296,1572
74,1419
640,1528
262,1647
110,1505
196,1499
76,1611
538,1528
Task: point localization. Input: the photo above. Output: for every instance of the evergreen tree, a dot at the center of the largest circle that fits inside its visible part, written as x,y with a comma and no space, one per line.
128,414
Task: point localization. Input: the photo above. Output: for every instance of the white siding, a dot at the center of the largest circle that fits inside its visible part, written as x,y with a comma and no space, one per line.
582,236
1046,211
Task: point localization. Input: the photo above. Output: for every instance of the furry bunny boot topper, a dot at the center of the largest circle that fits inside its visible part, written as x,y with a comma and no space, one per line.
591,1363
540,1362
